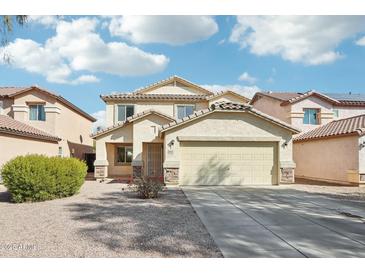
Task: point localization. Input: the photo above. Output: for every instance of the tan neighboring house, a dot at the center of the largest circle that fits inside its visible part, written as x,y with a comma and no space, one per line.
188,135
311,109
34,120
334,152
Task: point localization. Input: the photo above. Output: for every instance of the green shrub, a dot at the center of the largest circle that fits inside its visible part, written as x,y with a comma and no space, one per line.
34,178
147,188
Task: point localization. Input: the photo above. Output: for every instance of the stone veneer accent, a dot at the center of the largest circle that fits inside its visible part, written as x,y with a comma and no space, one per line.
287,175
171,175
137,171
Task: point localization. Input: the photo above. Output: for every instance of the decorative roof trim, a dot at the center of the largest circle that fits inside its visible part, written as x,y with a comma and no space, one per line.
227,107
56,96
308,94
129,120
169,80
342,127
222,93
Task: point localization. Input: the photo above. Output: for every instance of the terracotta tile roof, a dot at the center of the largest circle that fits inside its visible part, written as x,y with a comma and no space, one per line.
220,93
347,126
13,91
171,79
160,97
227,106
129,120
10,126
337,99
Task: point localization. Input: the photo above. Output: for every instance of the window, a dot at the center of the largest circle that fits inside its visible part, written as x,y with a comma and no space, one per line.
123,112
183,111
37,113
60,152
311,116
124,155
1,107
335,113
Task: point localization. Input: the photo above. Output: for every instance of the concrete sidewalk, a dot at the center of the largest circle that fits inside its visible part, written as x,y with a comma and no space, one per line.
274,222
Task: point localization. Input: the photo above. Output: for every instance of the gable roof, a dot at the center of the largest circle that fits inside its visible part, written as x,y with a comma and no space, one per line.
348,126
337,99
151,97
11,92
10,126
226,107
222,93
129,120
172,79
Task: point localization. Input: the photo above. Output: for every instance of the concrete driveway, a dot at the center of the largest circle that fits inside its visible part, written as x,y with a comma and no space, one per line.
280,222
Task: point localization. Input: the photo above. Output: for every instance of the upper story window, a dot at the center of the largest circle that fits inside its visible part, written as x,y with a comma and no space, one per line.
336,113
37,113
311,116
1,107
184,110
123,112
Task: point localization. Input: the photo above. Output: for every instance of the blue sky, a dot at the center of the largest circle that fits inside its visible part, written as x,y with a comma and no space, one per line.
82,57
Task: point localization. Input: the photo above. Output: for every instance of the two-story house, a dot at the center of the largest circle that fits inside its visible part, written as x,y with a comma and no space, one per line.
311,109
331,145
192,136
34,120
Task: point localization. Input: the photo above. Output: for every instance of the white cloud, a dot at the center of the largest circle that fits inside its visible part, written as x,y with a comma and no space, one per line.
246,77
46,20
101,122
77,46
173,30
311,40
361,41
83,79
247,91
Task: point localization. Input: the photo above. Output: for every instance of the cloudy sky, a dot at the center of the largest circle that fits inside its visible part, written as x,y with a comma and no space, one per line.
83,57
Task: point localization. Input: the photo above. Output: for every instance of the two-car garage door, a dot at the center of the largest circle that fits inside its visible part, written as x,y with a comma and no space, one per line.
228,163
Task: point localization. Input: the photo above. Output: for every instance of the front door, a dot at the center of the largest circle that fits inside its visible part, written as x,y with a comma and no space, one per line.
154,160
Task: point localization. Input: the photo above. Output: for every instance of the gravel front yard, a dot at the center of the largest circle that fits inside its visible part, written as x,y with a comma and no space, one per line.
104,221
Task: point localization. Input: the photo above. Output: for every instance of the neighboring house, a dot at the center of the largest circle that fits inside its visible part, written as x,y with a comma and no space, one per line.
34,120
191,136
334,152
311,109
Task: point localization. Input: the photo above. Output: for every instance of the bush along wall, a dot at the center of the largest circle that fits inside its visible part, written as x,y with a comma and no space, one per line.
34,178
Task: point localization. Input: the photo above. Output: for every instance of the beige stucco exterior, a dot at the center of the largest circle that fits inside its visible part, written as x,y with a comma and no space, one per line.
294,113
337,159
12,146
230,127
227,126
62,121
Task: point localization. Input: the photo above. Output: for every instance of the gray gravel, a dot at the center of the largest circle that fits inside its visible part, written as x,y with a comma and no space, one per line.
104,221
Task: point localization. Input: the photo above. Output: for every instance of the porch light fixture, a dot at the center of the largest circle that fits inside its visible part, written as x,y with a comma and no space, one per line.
171,143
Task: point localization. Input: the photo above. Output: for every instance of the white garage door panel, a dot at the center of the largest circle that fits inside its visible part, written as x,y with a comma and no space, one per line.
228,163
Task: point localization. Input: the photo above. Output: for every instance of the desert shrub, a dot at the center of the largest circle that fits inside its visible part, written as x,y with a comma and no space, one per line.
33,178
147,188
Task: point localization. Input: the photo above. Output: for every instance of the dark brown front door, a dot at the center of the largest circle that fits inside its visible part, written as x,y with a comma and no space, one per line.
154,160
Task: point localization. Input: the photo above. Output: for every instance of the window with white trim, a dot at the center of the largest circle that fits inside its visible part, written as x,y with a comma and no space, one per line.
37,113
311,116
123,155
336,113
1,107
122,112
184,110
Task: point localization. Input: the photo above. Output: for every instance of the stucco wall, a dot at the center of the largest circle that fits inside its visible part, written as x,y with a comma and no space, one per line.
297,112
345,112
229,125
73,128
168,108
326,159
228,98
12,146
171,89
7,103
145,130
273,108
